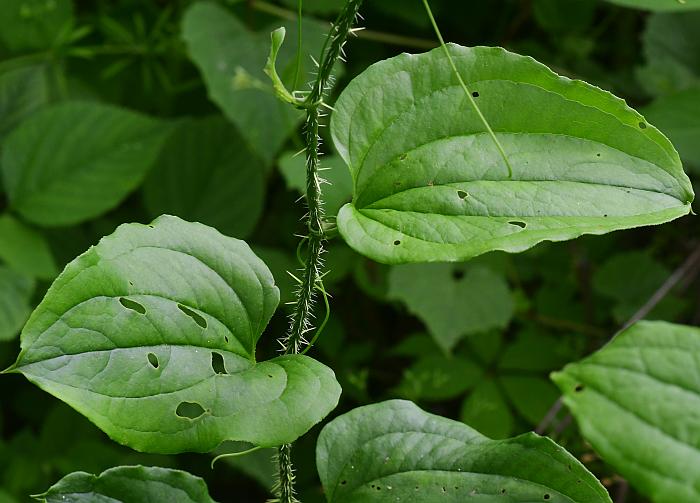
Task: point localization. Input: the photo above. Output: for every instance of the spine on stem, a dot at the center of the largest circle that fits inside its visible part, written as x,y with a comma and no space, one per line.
303,312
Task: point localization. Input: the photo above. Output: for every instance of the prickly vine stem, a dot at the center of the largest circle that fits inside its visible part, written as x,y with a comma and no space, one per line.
303,313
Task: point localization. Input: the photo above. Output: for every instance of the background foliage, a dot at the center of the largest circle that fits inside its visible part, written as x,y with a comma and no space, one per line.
141,93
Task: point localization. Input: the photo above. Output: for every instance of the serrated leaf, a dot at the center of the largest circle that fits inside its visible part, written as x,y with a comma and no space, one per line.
151,335
15,293
395,451
678,116
231,59
129,484
74,161
25,250
33,24
430,185
452,302
205,173
659,5
637,401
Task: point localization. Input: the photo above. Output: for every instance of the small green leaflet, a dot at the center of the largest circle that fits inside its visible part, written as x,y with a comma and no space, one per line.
206,173
394,451
129,484
25,250
453,301
659,5
33,24
430,185
72,162
151,335
15,293
637,401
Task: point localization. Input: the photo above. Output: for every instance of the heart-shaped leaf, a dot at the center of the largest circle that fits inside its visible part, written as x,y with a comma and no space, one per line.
637,401
129,484
206,174
394,451
71,162
430,184
151,334
231,59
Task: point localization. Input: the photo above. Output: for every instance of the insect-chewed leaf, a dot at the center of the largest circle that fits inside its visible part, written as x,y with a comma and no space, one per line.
129,484
151,334
394,451
430,184
637,402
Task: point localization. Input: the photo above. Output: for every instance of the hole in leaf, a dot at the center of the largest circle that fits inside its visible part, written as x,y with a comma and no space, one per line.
190,410
520,224
597,155
403,157
457,274
217,363
198,318
343,482
397,242
503,491
475,94
153,360
130,304
226,338
462,194
547,496
579,388
642,125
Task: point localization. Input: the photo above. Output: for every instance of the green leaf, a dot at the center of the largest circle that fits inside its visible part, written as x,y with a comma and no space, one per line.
25,250
205,173
486,410
336,192
531,396
15,293
395,451
151,335
659,5
452,302
438,378
430,184
33,24
22,91
671,45
231,59
637,401
678,116
129,484
72,162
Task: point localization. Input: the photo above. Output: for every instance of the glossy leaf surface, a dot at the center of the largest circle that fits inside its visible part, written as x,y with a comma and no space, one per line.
637,401
151,334
129,484
74,161
395,451
430,184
